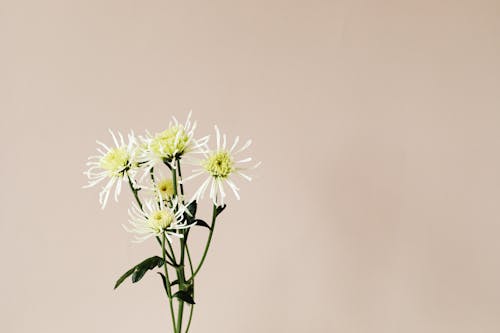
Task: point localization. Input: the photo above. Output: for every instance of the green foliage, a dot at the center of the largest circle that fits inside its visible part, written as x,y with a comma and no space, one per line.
185,296
140,269
219,210
164,280
200,223
192,207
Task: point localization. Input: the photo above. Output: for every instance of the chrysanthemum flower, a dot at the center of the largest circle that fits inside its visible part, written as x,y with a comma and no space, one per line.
157,185
114,164
177,140
156,218
220,166
165,187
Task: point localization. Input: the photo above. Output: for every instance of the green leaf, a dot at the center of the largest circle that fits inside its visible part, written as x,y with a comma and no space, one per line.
191,211
200,223
219,210
181,294
173,283
145,266
123,277
139,270
164,279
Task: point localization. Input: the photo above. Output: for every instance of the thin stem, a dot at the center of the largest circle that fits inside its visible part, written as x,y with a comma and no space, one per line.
180,269
180,178
180,310
190,317
186,233
169,290
212,228
189,260
134,190
174,180
192,305
152,175
173,253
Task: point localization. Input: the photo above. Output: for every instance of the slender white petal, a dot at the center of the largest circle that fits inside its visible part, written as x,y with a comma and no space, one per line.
234,144
112,165
172,143
155,220
221,167
217,133
245,146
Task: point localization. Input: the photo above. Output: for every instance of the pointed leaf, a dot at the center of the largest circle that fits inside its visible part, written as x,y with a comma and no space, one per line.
164,280
144,266
192,207
123,277
140,269
219,210
181,294
201,223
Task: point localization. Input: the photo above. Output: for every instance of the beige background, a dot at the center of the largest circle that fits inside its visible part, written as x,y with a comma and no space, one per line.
377,205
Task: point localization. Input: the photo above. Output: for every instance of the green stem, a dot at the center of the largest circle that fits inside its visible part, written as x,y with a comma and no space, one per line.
180,310
152,175
134,190
180,177
189,260
192,305
180,269
174,181
186,246
212,228
173,253
169,290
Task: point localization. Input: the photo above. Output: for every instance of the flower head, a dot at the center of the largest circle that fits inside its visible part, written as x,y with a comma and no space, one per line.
172,143
220,166
157,218
113,164
165,188
157,185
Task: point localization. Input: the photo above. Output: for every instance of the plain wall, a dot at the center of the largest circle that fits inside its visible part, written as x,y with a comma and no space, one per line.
376,208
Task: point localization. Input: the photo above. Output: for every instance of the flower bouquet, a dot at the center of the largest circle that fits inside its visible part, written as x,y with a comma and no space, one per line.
151,165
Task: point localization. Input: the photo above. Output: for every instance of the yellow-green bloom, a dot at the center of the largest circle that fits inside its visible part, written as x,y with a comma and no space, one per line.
165,188
221,165
169,143
155,219
172,143
115,161
114,164
160,220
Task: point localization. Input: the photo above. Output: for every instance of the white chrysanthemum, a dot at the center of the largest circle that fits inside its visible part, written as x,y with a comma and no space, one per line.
155,218
114,164
158,186
177,140
220,166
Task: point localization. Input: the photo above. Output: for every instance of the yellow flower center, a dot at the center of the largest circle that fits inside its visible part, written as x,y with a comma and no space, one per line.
169,142
115,161
219,165
161,220
166,188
